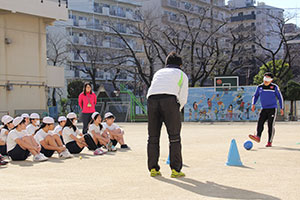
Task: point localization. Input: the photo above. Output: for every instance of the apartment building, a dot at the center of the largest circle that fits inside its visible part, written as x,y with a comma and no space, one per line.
257,24
93,41
204,16
292,34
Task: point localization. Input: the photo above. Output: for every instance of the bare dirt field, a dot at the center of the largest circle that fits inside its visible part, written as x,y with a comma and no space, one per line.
268,173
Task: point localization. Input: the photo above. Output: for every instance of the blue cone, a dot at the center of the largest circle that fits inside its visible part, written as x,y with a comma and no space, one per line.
233,155
168,160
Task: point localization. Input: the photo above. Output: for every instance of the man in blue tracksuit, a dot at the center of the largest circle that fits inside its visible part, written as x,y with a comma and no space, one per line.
268,93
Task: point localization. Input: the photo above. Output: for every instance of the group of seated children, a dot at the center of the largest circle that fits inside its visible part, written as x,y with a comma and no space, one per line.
23,135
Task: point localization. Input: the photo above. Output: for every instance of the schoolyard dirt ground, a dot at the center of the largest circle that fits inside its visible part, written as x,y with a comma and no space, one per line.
268,173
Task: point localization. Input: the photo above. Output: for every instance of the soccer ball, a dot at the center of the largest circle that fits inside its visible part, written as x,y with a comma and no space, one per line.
248,145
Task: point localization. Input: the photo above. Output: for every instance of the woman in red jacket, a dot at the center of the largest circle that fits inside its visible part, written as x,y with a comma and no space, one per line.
87,101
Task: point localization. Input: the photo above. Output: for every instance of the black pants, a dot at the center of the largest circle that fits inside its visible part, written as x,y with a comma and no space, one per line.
62,139
164,108
90,142
18,153
86,118
48,153
3,150
270,115
73,147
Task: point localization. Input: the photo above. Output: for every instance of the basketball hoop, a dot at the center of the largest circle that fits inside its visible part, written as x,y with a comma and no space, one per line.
226,83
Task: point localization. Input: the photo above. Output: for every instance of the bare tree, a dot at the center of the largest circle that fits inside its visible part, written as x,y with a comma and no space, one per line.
205,44
195,38
282,48
92,53
141,55
57,55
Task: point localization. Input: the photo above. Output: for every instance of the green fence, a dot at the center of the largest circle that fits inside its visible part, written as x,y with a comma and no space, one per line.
126,107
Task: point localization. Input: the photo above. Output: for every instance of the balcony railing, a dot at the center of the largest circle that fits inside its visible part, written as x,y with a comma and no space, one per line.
243,17
59,2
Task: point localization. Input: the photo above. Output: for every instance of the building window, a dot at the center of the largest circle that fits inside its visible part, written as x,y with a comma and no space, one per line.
117,11
98,8
121,28
173,16
187,6
82,18
173,3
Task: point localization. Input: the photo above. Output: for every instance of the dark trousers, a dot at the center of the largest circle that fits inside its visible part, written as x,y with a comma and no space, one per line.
90,142
3,150
164,108
270,115
86,118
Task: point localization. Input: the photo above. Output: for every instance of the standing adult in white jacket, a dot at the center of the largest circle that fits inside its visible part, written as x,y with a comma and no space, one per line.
167,96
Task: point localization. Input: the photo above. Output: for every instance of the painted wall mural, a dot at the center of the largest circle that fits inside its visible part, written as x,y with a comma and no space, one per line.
205,104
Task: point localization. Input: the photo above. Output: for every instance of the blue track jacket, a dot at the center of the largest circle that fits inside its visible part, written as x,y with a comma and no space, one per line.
268,96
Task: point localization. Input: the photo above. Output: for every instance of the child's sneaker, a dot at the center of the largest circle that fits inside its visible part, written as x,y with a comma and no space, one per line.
176,174
103,149
255,138
2,162
154,173
40,158
269,144
124,146
98,152
66,154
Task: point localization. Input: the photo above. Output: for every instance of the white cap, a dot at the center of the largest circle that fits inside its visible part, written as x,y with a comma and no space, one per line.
62,118
108,114
17,121
6,119
71,115
4,116
94,115
48,120
25,115
34,116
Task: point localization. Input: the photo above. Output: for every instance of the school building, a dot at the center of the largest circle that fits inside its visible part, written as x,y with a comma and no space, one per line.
25,76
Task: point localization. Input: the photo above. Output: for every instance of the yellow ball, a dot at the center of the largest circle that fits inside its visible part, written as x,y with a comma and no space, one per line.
80,157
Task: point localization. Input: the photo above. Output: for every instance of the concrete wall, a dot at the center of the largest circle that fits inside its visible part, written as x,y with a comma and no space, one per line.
205,104
23,63
49,9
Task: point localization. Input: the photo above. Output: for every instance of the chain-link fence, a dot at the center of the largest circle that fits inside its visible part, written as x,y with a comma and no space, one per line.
125,109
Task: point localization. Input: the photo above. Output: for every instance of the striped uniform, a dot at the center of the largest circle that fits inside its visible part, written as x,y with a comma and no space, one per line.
268,98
